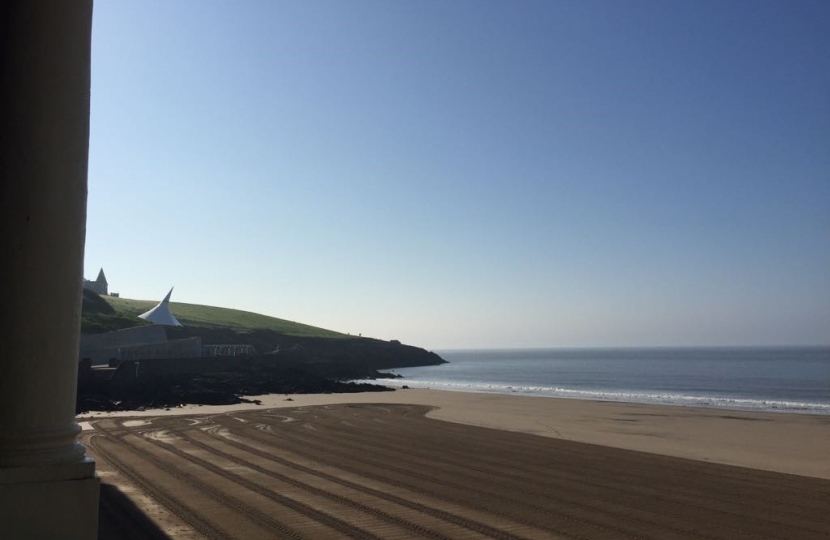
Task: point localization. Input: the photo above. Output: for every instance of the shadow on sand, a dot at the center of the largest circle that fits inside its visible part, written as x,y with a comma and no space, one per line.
119,518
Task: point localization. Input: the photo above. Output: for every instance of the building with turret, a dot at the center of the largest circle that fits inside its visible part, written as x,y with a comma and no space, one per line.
99,286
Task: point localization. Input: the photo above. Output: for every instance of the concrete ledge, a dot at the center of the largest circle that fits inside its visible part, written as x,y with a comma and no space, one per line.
51,473
38,448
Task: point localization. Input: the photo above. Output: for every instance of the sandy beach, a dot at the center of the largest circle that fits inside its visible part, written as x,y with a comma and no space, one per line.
787,443
437,464
349,466
446,465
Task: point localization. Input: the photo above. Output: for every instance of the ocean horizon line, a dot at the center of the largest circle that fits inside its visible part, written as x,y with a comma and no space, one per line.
630,347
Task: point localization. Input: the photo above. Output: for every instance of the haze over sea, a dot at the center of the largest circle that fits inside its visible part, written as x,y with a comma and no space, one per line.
774,379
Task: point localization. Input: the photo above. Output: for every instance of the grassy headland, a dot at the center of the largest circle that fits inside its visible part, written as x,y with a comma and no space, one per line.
216,325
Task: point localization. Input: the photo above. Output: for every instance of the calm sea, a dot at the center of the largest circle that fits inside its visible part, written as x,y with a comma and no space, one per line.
762,379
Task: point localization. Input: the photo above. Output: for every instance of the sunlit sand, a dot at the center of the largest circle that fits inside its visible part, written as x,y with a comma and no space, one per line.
422,463
789,443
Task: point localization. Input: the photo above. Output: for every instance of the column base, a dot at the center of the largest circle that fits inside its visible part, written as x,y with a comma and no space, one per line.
50,502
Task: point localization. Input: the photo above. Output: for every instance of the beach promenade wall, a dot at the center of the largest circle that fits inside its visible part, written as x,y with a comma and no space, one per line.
129,336
141,342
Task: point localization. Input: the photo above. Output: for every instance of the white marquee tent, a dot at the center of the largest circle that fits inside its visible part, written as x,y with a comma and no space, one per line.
161,313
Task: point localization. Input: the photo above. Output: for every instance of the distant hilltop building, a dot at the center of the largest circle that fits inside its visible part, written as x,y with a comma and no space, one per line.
99,286
161,313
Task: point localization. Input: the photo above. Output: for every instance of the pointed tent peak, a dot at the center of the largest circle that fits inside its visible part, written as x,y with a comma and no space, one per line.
101,277
167,298
161,313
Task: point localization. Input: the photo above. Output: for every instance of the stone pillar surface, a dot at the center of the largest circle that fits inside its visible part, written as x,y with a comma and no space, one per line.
48,487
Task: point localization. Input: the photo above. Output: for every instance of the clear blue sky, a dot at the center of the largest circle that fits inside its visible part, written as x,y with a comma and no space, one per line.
471,173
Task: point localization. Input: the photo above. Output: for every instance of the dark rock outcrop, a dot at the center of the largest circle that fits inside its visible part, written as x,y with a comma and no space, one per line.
165,383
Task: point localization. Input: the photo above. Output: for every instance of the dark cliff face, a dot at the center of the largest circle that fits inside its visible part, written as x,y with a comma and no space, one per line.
283,364
315,366
366,353
354,352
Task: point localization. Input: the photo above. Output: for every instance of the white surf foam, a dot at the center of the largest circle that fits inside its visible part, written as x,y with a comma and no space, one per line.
719,402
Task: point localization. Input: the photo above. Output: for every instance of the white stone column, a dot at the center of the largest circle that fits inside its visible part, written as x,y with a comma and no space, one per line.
48,487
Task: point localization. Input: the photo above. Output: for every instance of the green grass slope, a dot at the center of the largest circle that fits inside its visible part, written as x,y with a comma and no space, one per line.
107,313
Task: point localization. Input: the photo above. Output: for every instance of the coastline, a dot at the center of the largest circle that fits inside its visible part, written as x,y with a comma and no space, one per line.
778,442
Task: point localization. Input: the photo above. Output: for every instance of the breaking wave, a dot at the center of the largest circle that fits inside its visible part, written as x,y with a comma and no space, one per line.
661,398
